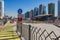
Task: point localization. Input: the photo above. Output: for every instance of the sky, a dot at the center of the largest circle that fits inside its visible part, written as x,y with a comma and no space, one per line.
11,6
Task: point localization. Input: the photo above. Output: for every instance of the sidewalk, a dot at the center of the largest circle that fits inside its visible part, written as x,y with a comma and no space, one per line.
8,33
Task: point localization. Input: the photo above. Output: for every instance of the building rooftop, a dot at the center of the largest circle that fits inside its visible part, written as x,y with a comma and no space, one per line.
43,15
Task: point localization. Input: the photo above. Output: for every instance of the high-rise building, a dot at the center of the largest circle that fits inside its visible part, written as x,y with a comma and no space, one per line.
31,14
1,8
51,8
27,14
40,9
44,9
35,12
58,9
23,16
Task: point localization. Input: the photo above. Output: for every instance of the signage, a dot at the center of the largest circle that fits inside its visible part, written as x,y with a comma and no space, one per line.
19,27
19,11
19,19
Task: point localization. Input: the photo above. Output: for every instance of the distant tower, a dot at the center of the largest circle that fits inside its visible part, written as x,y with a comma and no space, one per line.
58,9
1,8
51,8
35,12
27,14
41,9
44,9
31,14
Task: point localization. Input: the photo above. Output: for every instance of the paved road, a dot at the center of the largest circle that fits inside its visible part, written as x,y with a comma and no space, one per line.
8,33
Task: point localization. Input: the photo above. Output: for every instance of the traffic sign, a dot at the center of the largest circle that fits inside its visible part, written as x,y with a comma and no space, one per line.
19,19
19,27
19,11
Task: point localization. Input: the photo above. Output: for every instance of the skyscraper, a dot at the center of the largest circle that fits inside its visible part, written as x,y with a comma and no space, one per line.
44,9
35,11
58,9
31,14
27,14
1,8
40,9
51,8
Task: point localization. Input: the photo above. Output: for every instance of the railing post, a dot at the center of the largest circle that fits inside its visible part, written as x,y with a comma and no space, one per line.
32,32
29,32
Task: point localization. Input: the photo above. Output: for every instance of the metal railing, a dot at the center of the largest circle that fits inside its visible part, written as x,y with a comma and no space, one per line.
35,33
57,38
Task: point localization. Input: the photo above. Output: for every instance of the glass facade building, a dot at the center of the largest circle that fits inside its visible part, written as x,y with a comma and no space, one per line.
31,14
0,5
59,9
42,9
51,8
35,12
1,8
27,14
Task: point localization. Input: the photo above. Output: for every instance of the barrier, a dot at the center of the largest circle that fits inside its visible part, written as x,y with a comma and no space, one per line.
26,32
35,33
